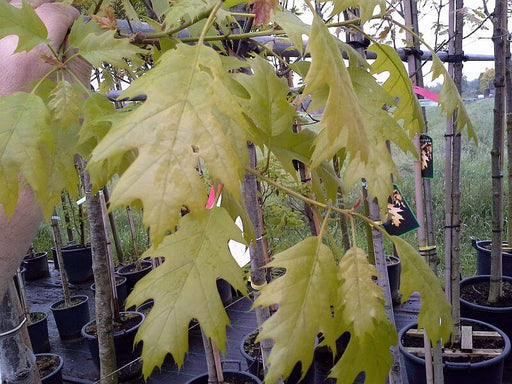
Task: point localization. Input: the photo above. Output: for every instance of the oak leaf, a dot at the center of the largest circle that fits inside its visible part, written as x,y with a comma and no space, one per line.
184,286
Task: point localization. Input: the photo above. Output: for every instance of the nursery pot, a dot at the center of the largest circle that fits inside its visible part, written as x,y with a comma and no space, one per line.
78,263
145,307
488,371
122,292
229,376
36,266
70,320
255,365
54,253
225,292
394,268
483,258
500,317
50,368
123,340
38,332
132,275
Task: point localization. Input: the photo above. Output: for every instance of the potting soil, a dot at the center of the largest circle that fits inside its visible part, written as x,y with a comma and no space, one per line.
478,294
47,364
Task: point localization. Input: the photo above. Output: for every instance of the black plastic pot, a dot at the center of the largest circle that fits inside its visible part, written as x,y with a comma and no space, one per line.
228,375
70,320
394,276
255,367
56,376
78,263
145,307
123,343
483,258
499,317
225,292
54,253
122,291
38,333
488,372
36,267
132,275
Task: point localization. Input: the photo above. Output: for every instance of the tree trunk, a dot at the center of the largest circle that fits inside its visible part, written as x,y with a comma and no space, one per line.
69,230
17,362
103,302
499,39
115,236
256,248
508,87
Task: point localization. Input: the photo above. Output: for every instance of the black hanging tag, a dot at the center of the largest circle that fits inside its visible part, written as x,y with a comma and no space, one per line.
401,218
427,157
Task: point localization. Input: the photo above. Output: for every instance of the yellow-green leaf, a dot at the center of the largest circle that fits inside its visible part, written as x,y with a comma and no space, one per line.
449,98
294,28
184,287
267,106
186,10
130,12
308,287
189,115
65,103
24,137
98,46
366,7
23,22
362,314
329,84
399,86
416,276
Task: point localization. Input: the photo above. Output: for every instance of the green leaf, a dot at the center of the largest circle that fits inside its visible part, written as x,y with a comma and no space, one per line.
186,10
60,166
65,103
195,118
399,86
23,22
362,314
291,146
329,84
449,98
308,287
98,46
130,12
416,276
293,26
184,287
24,135
366,7
267,106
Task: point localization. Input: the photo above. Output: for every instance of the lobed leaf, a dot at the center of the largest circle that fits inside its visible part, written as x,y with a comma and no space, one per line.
24,139
196,118
65,103
98,46
308,287
23,22
267,107
366,8
330,87
449,98
361,305
399,86
416,276
184,286
294,27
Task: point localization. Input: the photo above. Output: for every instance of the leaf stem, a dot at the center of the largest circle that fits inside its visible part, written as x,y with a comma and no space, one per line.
209,21
201,16
324,222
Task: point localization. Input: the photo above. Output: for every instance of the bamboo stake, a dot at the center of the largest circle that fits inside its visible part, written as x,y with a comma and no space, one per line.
65,207
113,228
499,38
23,295
57,239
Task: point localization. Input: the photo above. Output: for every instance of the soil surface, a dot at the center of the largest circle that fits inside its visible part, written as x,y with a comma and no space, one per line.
133,267
47,364
34,317
128,321
479,292
252,348
478,343
73,303
33,256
